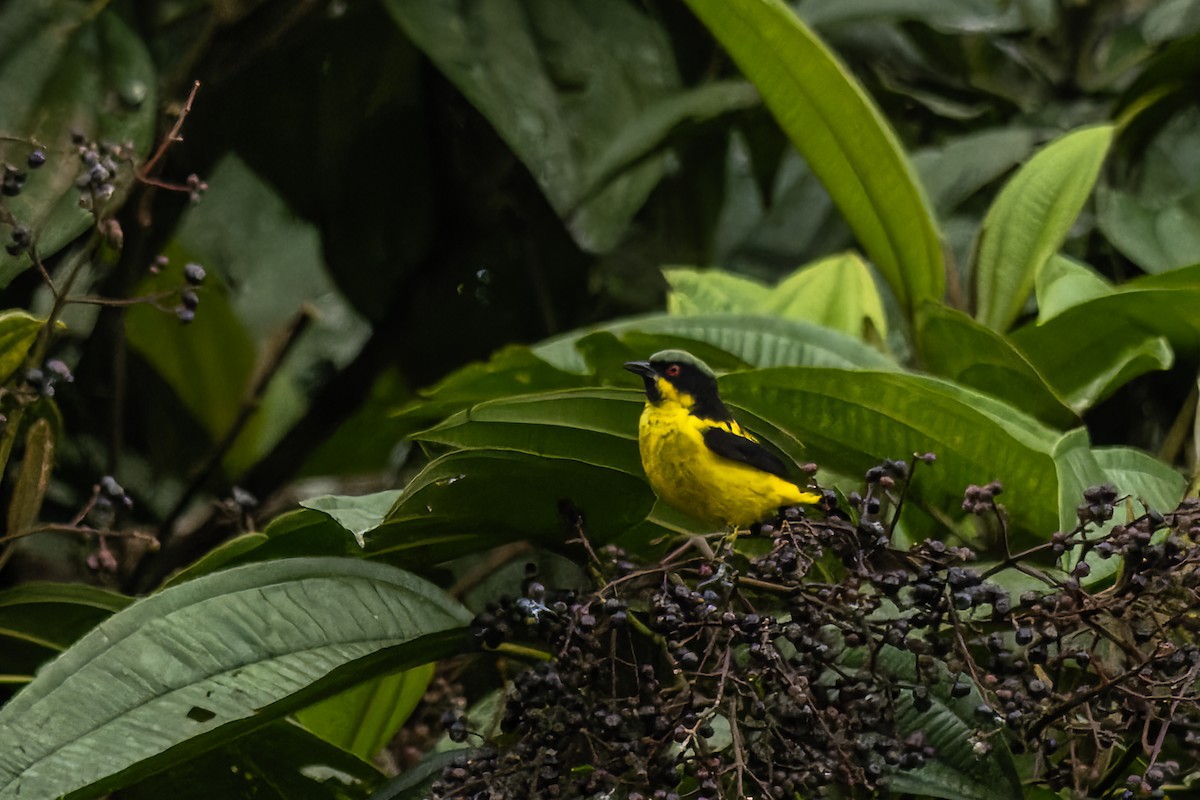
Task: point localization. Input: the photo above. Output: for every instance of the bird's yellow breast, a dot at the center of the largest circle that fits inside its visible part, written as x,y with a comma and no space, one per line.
684,472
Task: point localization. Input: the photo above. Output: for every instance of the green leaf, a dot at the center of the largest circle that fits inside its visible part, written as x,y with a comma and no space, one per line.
647,133
1155,233
364,719
473,500
416,782
598,426
279,762
1131,471
32,480
356,514
841,133
1064,282
850,420
197,665
948,16
837,292
65,68
964,165
39,620
208,363
1093,347
18,331
1030,218
955,772
712,291
558,82
957,347
759,341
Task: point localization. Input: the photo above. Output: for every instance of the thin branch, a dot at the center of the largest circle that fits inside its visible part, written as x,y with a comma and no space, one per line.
143,174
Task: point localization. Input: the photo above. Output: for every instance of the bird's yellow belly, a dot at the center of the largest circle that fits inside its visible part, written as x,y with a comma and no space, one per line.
695,480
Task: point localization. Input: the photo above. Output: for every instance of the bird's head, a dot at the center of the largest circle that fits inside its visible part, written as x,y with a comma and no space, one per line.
677,376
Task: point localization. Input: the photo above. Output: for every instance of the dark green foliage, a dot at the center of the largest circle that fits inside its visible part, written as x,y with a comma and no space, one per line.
355,282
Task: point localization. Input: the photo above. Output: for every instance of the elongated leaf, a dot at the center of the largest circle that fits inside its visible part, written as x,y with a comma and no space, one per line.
957,347
33,478
38,620
64,68
473,500
1030,218
598,426
849,420
364,719
558,81
965,165
648,132
759,341
279,762
831,120
18,331
191,668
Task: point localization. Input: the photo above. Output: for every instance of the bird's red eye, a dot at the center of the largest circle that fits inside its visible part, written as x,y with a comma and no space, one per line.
673,371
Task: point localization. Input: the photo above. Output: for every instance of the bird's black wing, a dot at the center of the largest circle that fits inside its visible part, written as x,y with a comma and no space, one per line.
739,448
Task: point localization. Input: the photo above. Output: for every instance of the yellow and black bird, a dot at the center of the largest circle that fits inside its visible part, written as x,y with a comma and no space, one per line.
696,455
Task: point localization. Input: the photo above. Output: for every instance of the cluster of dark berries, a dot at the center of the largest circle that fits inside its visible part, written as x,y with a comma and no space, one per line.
99,165
980,500
828,663
44,380
19,240
718,675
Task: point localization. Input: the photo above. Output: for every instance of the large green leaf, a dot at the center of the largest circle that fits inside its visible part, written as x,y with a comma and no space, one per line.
558,80
850,420
279,762
594,355
1030,218
845,139
192,667
759,341
1093,347
472,500
65,67
957,347
598,426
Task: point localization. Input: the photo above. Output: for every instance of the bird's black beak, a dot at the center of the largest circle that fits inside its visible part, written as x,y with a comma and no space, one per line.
642,368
